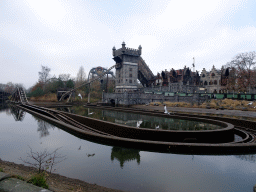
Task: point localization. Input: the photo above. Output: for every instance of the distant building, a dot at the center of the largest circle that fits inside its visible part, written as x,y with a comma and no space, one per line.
181,80
211,81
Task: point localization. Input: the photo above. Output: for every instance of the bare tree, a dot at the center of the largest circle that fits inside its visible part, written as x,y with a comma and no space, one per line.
9,88
244,64
44,75
64,77
81,76
44,160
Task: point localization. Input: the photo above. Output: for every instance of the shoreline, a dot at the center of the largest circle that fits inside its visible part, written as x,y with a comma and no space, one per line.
55,181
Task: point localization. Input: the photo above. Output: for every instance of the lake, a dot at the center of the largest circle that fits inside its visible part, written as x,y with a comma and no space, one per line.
121,168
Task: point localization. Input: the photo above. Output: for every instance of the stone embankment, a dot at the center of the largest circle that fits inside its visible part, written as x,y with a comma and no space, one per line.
7,183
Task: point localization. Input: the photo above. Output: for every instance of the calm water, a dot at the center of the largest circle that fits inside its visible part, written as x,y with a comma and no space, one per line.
119,168
142,121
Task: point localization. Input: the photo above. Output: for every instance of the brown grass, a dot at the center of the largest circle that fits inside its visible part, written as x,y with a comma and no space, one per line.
213,104
177,104
52,97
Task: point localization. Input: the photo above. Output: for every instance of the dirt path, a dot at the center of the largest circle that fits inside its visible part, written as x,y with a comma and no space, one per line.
56,182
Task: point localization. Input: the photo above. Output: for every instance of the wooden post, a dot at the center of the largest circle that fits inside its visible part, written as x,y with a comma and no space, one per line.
89,93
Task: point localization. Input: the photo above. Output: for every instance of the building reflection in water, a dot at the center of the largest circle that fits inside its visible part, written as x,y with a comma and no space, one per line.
17,113
124,155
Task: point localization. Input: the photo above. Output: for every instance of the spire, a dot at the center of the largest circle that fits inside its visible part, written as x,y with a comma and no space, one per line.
123,45
113,51
140,50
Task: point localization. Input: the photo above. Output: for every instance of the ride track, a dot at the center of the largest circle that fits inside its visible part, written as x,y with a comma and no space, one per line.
220,141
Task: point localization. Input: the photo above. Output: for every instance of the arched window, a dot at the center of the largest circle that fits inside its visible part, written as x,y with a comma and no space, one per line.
210,83
213,74
203,75
205,83
215,82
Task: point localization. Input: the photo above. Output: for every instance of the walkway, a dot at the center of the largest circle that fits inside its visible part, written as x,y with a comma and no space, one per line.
200,110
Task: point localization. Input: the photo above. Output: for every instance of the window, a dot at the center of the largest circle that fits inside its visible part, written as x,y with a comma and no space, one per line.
203,75
205,83
130,75
215,82
130,69
130,81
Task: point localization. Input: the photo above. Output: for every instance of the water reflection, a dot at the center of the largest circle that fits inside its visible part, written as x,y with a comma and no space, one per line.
250,158
3,106
65,109
124,155
43,127
142,121
17,113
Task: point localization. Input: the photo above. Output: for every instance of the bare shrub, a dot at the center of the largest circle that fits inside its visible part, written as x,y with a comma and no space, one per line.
43,160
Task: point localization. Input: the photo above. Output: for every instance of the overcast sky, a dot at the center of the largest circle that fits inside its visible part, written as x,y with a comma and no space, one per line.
67,34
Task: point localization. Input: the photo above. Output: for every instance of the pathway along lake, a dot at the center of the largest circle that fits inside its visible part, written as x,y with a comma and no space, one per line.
120,168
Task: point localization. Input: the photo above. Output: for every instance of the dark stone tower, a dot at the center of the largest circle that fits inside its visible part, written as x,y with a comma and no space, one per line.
127,68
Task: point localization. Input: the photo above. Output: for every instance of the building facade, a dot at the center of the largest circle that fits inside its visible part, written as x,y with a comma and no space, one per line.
126,68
